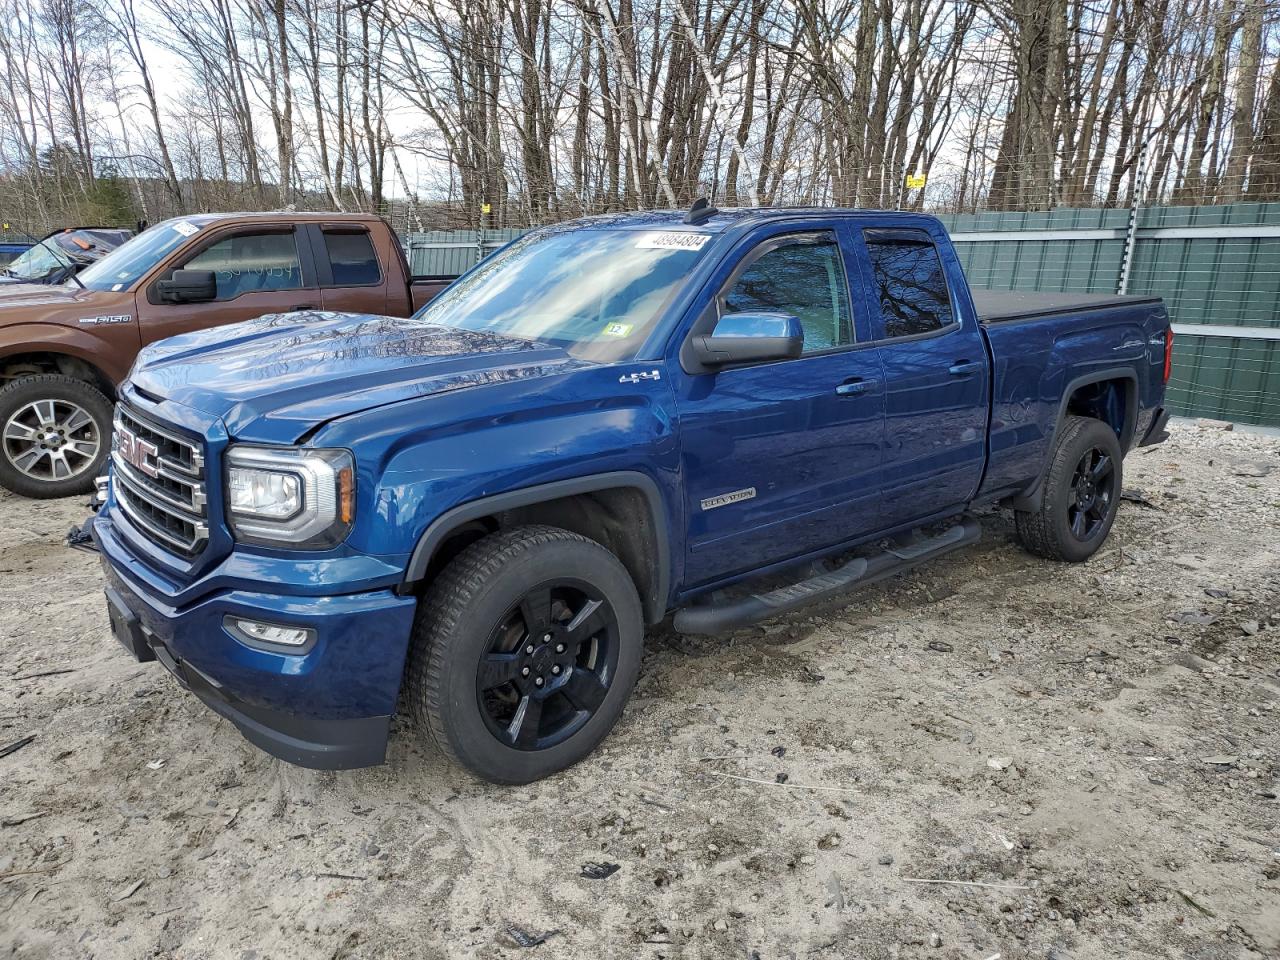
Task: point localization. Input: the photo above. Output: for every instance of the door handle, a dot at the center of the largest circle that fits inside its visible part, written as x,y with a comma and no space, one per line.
853,386
304,306
963,368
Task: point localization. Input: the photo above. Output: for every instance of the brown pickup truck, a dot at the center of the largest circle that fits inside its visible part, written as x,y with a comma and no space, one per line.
64,348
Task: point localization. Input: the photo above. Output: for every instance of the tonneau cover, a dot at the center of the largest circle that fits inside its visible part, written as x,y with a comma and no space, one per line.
996,306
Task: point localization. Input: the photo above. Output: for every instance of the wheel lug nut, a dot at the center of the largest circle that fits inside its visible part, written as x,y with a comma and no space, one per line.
524,672
559,648
529,648
556,669
538,682
546,638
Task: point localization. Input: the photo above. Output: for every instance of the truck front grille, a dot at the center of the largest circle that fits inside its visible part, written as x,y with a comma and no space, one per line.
159,479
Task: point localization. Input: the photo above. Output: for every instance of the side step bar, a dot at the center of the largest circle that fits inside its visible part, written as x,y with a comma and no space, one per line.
711,618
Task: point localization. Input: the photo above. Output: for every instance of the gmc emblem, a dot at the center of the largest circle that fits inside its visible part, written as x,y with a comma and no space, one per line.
137,452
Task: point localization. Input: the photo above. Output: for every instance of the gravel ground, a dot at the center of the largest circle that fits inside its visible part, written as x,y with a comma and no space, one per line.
1088,754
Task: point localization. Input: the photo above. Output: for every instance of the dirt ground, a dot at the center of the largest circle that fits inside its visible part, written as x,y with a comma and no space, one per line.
1089,754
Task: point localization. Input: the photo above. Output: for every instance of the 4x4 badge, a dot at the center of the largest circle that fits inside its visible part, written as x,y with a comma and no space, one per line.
637,377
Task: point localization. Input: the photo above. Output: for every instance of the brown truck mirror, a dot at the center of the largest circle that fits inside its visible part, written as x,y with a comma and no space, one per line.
188,286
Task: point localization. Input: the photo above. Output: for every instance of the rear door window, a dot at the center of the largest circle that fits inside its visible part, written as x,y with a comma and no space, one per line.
910,287
251,262
351,259
802,276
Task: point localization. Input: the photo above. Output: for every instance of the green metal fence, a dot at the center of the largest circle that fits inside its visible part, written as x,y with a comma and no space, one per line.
1218,269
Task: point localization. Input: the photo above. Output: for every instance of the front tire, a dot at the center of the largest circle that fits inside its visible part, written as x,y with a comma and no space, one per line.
1081,494
525,650
55,435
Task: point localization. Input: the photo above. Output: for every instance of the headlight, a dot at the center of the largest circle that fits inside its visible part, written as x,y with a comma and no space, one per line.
290,496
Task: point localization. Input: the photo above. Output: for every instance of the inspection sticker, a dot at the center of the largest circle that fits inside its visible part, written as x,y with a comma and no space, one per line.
619,330
185,228
672,241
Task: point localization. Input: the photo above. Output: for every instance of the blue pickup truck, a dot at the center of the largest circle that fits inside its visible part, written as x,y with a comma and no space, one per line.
474,512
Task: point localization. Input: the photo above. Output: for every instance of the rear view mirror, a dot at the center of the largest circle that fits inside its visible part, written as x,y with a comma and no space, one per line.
750,338
189,286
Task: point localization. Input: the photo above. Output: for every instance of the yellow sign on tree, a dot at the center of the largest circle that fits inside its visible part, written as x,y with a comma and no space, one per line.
915,181
485,209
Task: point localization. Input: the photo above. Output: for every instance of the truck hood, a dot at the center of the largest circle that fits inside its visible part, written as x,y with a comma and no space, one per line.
15,293
274,379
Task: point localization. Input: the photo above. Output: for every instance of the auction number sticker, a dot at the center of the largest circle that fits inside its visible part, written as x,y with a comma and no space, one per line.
619,330
672,241
186,228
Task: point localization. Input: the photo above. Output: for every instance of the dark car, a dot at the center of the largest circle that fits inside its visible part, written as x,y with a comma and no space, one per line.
63,253
11,250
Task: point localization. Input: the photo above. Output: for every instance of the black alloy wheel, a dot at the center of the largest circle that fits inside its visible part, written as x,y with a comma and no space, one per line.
1080,493
526,647
549,665
1093,489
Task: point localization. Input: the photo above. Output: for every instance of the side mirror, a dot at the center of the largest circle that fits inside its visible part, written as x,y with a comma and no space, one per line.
188,286
750,338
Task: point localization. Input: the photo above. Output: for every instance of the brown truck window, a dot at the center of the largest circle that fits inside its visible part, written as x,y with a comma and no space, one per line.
352,259
251,262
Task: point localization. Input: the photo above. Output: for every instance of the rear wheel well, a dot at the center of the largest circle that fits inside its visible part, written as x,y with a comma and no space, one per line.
1111,401
617,518
19,365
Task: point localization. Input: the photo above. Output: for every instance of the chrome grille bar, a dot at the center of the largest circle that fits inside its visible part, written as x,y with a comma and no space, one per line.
163,493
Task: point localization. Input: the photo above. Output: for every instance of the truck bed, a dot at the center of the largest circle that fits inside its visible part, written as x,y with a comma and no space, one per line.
1005,306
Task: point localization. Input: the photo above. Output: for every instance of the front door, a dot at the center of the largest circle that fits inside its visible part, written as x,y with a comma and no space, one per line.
782,458
259,271
936,372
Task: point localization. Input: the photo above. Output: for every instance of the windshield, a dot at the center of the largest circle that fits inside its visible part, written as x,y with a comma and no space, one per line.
121,268
39,261
597,293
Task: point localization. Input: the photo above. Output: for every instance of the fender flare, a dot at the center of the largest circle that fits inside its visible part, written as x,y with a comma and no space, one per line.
1031,498
437,531
38,337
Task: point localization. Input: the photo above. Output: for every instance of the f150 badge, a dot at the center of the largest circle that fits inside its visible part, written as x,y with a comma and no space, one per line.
724,499
114,318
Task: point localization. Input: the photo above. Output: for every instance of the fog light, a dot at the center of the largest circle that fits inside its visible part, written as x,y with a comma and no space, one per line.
255,632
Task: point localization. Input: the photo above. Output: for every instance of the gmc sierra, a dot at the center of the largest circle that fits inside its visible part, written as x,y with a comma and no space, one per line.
606,422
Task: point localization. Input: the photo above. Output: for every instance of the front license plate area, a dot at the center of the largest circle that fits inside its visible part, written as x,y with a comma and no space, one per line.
127,629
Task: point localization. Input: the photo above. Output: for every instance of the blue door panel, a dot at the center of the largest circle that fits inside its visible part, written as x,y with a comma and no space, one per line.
810,456
776,463
936,374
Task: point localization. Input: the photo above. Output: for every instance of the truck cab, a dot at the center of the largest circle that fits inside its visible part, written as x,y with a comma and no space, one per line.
477,510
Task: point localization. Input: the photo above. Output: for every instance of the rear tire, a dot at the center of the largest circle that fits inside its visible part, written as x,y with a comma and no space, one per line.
1081,493
525,650
55,435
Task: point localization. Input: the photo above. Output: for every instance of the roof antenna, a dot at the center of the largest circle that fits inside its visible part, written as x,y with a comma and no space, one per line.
700,212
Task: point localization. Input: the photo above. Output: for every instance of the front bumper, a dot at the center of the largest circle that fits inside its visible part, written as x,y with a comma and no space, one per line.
329,707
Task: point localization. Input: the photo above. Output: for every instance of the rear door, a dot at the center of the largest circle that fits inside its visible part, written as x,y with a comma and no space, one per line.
936,376
260,269
353,277
782,458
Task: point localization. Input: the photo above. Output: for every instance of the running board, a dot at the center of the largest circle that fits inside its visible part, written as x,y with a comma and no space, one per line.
711,618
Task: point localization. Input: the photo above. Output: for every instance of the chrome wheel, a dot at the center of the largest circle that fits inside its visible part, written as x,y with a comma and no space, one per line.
51,440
